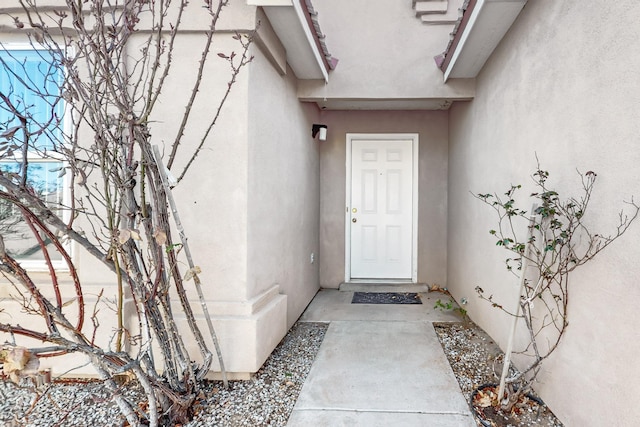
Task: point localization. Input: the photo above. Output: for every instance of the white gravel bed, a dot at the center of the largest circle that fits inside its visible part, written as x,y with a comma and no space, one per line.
267,399
471,354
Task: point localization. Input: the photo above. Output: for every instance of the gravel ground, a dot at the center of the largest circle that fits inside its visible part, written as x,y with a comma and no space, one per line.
268,398
265,400
471,354
77,404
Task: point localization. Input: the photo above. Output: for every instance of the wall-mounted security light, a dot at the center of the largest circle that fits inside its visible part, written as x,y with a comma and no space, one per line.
320,130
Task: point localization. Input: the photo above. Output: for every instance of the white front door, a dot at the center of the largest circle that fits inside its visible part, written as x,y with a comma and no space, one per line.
381,207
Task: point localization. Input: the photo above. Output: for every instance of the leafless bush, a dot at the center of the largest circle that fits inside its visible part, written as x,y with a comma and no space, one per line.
95,92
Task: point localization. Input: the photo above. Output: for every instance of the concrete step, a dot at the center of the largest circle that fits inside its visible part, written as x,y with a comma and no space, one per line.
384,287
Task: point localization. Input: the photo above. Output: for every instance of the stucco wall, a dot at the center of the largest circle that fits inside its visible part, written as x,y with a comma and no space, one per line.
283,189
214,197
431,127
220,209
562,84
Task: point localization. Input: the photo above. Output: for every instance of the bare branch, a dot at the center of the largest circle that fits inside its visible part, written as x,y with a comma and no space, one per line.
558,242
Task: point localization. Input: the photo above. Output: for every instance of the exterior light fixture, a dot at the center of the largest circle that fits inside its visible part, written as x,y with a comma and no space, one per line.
320,130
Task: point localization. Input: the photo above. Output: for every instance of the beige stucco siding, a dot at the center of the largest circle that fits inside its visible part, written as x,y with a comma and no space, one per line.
283,189
213,195
431,127
249,204
562,84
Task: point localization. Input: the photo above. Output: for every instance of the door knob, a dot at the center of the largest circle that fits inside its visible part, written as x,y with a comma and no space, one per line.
354,220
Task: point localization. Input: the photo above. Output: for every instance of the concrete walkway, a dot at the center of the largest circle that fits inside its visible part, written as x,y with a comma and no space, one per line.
379,365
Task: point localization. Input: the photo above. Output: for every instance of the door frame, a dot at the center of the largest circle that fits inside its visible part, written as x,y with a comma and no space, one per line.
347,220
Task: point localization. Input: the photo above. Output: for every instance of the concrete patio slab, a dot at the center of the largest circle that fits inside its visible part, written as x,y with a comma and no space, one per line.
326,418
331,304
384,287
376,372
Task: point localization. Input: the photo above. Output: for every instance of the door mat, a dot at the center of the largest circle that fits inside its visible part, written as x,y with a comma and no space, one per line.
386,298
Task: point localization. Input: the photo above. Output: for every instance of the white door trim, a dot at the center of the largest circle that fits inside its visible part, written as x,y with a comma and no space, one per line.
347,220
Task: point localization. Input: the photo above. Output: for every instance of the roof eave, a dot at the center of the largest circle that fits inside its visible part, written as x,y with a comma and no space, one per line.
293,22
483,25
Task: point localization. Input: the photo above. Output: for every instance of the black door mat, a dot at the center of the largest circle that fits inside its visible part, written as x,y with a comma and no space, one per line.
386,298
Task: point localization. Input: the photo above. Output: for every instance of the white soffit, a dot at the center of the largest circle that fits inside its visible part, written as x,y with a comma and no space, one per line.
290,24
489,22
384,104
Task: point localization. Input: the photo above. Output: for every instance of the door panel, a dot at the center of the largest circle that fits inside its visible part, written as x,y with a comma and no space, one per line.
381,220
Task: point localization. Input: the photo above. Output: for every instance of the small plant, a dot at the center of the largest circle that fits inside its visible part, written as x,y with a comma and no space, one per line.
444,305
450,305
557,241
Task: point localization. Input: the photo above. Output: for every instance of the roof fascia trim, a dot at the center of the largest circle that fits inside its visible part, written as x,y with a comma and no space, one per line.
304,20
475,13
475,7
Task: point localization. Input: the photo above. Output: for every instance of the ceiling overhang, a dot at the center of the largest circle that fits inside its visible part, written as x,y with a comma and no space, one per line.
386,104
293,26
483,25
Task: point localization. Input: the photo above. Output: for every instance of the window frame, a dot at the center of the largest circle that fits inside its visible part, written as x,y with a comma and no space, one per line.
51,157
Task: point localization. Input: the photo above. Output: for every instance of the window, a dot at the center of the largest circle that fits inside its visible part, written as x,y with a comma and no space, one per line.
30,80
